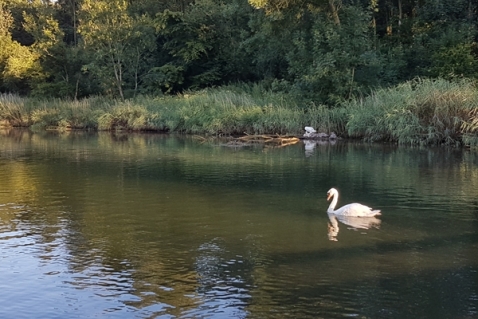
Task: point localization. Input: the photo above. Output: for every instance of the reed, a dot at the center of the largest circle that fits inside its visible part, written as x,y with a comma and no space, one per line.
40,114
417,112
328,120
470,128
126,116
229,110
14,110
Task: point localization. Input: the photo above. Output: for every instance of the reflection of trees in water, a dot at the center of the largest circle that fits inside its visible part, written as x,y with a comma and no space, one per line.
408,174
354,167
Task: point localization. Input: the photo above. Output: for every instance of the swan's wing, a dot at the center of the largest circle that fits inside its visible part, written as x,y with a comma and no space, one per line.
360,222
359,210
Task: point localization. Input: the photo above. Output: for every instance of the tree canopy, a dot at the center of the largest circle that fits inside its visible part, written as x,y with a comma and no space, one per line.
323,51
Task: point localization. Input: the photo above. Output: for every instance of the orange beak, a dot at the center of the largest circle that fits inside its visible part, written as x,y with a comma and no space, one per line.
329,196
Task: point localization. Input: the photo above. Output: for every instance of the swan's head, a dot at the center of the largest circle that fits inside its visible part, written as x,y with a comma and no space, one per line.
331,193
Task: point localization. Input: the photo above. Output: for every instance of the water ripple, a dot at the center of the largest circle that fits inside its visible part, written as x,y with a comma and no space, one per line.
141,226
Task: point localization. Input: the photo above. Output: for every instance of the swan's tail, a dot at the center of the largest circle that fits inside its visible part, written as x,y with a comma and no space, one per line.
376,212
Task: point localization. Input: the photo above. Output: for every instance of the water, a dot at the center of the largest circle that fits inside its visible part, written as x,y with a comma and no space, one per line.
152,226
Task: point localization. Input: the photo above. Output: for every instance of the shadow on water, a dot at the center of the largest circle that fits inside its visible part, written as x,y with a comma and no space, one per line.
435,277
381,249
451,293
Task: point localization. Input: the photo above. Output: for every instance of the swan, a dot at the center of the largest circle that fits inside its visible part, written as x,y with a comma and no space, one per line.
355,209
309,130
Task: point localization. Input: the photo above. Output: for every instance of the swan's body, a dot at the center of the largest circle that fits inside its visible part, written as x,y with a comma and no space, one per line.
355,209
309,130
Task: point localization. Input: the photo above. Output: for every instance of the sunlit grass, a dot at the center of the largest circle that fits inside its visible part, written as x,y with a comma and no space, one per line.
14,111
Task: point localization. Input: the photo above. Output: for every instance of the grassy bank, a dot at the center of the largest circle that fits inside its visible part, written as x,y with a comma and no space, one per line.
416,112
224,111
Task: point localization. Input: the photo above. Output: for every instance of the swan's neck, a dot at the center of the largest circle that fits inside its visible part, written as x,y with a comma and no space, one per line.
332,205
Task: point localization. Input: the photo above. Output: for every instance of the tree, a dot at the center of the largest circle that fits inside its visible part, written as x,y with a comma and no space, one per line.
40,22
332,6
205,43
332,63
18,64
118,42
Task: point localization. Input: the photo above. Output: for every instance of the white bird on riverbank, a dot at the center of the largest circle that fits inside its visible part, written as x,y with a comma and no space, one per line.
309,130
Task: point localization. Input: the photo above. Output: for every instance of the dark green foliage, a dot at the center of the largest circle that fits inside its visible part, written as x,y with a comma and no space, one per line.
333,63
205,42
322,52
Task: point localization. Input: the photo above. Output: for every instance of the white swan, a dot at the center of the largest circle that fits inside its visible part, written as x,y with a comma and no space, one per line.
309,130
355,209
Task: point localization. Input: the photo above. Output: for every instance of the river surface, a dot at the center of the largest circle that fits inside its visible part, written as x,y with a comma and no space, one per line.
154,226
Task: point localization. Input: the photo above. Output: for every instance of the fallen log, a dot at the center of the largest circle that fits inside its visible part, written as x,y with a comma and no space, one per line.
276,140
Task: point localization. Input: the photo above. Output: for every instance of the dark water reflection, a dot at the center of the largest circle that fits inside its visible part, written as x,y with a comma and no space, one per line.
151,226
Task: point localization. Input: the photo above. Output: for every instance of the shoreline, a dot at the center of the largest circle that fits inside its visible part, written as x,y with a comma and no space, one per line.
425,112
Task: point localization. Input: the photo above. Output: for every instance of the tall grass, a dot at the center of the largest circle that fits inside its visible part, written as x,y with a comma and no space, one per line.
470,128
39,114
14,110
417,112
231,110
238,109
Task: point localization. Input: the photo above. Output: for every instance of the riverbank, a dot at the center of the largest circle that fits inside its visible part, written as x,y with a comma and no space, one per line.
417,112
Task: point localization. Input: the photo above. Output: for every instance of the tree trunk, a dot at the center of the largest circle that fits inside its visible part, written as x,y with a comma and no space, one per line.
74,23
400,15
333,4
118,75
136,71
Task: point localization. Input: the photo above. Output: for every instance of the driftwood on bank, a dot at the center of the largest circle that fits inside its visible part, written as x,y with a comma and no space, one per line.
268,140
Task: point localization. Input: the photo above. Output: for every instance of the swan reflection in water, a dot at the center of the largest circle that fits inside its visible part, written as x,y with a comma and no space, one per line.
309,145
352,221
